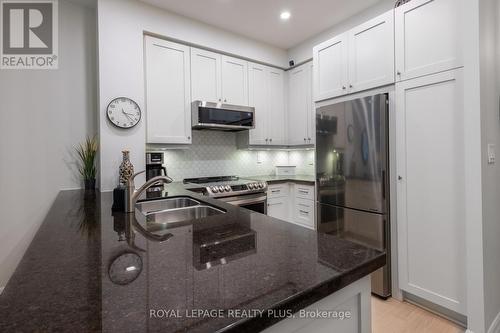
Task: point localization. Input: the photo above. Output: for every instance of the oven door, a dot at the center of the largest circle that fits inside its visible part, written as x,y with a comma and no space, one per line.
256,202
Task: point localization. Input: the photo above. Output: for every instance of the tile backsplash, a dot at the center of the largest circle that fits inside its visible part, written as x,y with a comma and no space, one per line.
215,154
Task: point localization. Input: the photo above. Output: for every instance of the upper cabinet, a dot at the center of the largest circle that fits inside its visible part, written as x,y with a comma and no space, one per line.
428,37
266,95
234,81
359,59
301,112
218,78
331,70
168,100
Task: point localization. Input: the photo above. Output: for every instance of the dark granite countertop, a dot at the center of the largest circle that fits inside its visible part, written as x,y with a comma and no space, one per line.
63,283
305,179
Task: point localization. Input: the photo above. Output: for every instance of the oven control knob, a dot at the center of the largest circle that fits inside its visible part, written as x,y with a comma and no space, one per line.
228,188
214,189
221,188
251,186
261,185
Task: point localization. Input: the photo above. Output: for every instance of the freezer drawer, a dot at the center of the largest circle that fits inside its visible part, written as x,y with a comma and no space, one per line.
364,228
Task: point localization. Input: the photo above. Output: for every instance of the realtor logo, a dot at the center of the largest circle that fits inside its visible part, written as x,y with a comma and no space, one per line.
29,38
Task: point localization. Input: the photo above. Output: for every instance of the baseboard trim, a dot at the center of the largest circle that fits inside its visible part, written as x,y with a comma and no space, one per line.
495,325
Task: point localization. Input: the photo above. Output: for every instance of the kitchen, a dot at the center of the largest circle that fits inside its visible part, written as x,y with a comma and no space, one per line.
355,142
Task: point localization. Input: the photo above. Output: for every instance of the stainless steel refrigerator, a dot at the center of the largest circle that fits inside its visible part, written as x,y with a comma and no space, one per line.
352,168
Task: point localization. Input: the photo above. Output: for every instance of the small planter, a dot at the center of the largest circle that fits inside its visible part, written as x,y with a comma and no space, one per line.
90,184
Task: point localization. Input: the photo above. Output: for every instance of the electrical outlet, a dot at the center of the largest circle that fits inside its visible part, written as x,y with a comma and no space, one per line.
491,153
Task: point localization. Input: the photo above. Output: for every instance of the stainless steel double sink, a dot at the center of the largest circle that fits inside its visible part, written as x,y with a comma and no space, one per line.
162,214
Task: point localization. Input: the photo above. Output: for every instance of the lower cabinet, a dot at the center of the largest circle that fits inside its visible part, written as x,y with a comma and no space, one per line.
431,188
278,208
293,203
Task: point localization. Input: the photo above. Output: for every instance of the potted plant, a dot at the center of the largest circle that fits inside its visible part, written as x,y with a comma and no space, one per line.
87,152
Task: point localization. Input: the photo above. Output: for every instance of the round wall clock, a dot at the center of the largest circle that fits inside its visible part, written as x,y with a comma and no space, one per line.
123,112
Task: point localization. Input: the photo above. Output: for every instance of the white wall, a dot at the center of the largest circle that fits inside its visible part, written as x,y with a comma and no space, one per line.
489,43
303,51
121,27
44,114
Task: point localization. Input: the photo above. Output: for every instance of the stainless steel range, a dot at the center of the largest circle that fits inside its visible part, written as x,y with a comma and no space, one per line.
237,191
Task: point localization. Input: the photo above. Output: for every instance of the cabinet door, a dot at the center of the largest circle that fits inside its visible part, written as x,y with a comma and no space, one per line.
278,208
304,212
371,53
330,68
428,37
311,115
168,100
298,105
258,97
234,81
277,125
205,76
431,189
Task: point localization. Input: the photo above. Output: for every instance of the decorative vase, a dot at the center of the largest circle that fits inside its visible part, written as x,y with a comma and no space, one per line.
126,168
90,184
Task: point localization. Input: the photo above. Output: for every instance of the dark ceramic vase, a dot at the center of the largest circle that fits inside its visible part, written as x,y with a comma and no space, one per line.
90,184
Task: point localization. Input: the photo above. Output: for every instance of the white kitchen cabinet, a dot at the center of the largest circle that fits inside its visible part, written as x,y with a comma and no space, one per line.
428,37
168,99
331,68
303,212
371,53
266,95
359,59
278,208
218,78
206,76
301,113
431,188
234,81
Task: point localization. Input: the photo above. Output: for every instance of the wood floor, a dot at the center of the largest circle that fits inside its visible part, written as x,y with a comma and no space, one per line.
392,316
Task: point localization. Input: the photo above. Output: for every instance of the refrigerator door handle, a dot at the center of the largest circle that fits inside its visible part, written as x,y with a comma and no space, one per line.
383,184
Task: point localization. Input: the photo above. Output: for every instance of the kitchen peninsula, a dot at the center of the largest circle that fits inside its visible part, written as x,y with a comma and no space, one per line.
274,270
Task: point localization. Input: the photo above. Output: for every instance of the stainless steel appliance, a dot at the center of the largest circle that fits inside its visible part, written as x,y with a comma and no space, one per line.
222,117
352,165
233,190
155,168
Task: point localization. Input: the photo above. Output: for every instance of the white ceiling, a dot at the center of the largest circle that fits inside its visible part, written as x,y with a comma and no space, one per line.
259,19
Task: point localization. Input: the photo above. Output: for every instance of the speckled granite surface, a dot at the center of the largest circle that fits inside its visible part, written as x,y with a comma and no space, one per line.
63,285
281,179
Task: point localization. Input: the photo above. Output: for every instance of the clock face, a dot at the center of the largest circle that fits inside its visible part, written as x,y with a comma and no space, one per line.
123,112
125,268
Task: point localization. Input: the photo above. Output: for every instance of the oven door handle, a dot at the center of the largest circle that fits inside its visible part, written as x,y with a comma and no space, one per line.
246,201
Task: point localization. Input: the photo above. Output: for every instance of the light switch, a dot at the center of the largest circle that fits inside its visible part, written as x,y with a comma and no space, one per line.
491,153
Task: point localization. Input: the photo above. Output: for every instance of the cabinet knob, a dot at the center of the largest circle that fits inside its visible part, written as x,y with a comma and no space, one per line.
270,140
400,178
220,99
350,86
398,72
189,138
344,87
267,139
225,100
305,140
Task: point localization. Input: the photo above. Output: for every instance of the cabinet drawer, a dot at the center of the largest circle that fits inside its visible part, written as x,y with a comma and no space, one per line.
278,208
304,192
278,190
304,212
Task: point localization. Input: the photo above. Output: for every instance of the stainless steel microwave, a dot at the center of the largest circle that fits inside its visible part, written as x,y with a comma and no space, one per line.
222,117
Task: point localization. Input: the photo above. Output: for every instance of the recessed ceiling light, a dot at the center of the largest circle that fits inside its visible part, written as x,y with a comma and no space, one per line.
285,15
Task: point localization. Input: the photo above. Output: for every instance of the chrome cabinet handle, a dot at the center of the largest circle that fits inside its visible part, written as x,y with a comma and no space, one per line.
303,211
